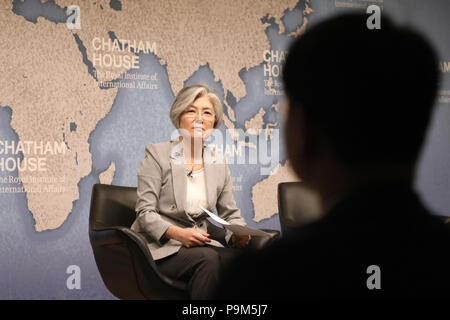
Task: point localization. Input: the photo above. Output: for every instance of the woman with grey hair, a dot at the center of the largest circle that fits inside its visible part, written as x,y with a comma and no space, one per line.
175,179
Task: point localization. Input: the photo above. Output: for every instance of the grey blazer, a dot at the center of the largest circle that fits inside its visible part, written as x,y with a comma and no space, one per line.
161,194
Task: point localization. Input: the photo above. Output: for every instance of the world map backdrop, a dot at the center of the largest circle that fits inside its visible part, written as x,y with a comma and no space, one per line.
86,85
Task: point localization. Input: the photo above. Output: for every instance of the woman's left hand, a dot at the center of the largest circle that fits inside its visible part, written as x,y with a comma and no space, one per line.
240,241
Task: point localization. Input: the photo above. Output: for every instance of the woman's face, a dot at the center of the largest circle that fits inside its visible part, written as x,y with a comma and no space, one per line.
198,118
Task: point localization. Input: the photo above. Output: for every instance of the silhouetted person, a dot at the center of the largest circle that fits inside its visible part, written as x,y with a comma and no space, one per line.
360,101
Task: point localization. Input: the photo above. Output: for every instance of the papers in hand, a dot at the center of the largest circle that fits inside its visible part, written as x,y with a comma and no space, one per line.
235,228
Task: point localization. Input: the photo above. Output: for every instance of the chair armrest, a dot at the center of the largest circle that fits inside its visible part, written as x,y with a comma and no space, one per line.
258,243
274,234
105,237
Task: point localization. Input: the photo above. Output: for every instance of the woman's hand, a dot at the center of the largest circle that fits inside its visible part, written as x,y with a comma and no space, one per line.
189,237
240,241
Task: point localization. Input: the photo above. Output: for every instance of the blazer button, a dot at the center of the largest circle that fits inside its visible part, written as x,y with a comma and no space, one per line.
173,207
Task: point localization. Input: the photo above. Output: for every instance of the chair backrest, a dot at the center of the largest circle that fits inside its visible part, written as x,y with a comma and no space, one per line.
297,205
112,206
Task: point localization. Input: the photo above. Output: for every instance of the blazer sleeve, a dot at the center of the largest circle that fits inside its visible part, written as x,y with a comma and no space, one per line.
148,190
226,204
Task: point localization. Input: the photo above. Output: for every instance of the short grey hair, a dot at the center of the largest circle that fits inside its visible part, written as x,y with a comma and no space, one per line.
188,95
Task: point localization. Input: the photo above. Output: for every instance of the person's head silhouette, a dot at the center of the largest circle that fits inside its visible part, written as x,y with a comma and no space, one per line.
359,102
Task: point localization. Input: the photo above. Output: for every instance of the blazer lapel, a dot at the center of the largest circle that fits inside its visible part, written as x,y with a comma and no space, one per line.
178,174
209,160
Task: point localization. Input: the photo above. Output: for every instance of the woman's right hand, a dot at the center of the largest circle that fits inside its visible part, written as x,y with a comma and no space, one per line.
189,237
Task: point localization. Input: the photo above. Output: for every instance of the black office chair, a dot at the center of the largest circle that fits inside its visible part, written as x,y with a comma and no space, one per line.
122,256
297,206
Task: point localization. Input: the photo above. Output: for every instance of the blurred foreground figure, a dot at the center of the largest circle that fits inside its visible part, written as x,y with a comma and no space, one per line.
360,102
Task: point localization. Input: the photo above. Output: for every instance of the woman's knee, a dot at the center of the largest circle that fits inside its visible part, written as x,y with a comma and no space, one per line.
209,256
